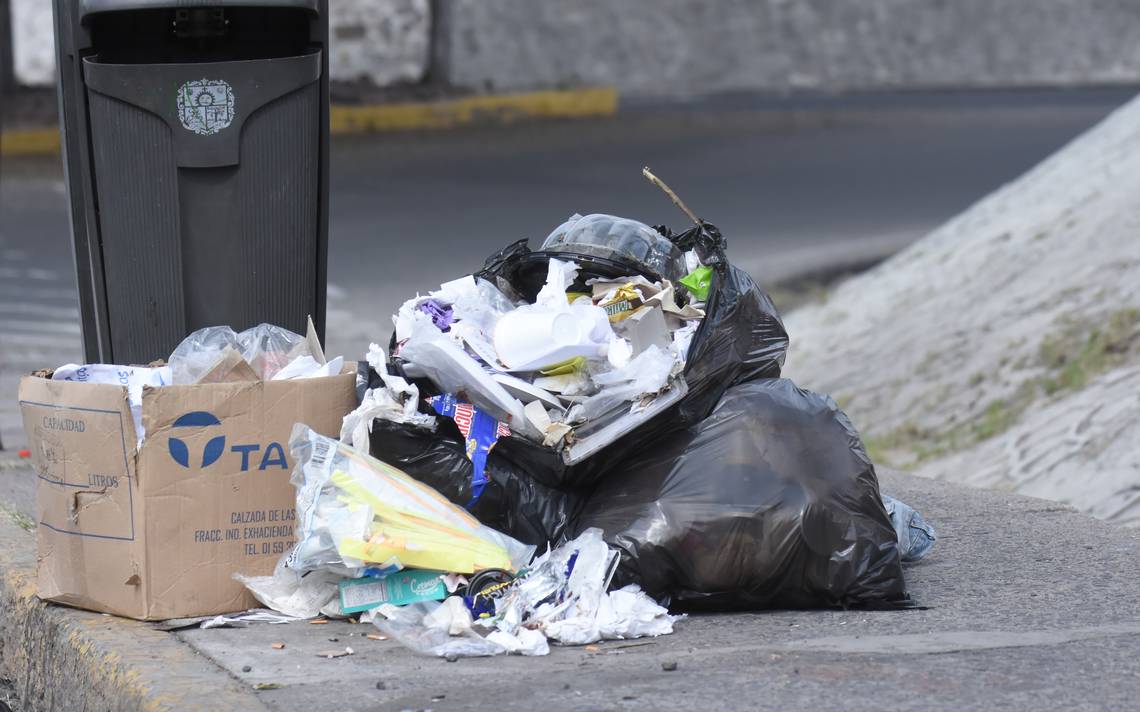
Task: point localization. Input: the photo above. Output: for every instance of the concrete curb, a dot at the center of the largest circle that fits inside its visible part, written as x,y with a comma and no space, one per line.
347,119
29,142
63,659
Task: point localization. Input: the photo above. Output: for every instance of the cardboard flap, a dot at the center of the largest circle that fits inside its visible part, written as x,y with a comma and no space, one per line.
77,429
82,439
231,367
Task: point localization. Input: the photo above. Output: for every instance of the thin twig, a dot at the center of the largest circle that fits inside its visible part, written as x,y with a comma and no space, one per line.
672,196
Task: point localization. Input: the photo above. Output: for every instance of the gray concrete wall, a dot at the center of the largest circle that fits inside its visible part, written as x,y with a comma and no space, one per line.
687,47
382,42
683,47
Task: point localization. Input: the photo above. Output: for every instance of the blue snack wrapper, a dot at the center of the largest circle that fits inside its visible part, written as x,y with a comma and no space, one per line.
479,430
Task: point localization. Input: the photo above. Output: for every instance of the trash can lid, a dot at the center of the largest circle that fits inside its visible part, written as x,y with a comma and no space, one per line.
92,7
632,244
603,246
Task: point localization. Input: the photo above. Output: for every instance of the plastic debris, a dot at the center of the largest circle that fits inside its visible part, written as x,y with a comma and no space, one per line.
217,354
432,354
395,400
561,597
698,282
645,375
399,589
441,314
354,510
552,331
269,348
617,244
735,337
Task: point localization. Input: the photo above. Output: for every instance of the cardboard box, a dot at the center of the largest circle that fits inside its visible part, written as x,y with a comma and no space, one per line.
157,532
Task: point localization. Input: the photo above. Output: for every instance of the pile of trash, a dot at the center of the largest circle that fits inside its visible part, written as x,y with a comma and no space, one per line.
373,541
614,400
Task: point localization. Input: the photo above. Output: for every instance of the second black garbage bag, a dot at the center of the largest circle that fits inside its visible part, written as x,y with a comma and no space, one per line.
769,502
509,501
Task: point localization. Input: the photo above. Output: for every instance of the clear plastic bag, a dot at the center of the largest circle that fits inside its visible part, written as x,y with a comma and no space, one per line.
354,510
268,348
200,352
265,347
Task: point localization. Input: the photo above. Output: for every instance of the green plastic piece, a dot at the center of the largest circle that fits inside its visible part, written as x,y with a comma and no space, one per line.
698,282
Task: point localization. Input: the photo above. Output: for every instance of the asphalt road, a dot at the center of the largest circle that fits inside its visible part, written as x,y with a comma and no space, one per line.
797,186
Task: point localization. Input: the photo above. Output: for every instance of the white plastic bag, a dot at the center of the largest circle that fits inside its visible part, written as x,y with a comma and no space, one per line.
410,625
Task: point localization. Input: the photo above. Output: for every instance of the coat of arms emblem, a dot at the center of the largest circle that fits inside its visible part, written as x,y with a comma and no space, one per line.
206,106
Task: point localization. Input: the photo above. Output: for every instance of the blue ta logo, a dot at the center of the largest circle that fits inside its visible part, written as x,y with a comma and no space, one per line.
214,447
272,456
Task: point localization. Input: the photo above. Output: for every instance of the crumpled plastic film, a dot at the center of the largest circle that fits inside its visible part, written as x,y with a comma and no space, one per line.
397,401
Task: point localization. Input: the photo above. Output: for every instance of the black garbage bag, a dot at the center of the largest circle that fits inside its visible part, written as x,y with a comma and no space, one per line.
740,339
769,502
510,501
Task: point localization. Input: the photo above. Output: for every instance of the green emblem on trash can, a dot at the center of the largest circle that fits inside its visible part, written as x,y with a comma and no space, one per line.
206,106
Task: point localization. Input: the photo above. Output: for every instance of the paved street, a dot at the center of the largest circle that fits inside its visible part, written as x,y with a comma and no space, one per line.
796,186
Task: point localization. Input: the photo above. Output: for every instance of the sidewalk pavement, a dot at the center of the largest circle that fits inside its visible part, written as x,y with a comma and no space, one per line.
1024,604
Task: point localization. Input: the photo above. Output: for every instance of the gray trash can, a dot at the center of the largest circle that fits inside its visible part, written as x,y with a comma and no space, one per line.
195,142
